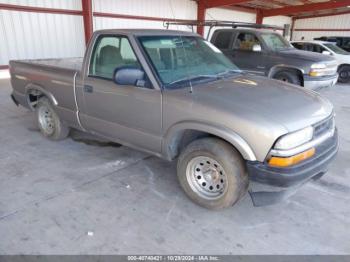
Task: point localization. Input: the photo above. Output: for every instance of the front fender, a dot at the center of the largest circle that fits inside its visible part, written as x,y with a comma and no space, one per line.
278,67
175,132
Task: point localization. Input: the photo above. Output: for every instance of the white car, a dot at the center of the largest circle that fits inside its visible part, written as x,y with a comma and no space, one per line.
329,48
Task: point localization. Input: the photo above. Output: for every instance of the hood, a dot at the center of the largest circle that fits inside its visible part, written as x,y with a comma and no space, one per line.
305,55
254,97
342,58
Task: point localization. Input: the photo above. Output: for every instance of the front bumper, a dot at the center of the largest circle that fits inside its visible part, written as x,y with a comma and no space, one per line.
315,83
272,184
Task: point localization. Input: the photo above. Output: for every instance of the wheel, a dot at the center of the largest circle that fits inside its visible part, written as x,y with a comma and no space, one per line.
212,173
344,74
289,77
48,121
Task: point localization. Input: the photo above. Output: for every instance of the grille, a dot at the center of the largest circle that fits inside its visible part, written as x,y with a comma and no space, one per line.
332,68
324,126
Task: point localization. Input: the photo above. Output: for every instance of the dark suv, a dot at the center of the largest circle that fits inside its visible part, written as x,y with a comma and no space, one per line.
267,53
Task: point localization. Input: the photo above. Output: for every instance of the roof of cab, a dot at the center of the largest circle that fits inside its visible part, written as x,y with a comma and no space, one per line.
145,32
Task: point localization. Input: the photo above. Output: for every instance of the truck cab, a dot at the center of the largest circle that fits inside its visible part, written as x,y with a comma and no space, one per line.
267,53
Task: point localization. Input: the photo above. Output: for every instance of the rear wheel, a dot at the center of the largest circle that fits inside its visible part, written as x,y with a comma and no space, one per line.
212,173
289,77
344,74
48,121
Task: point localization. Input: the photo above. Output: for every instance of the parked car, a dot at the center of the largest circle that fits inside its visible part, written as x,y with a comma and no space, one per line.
267,53
341,41
328,48
176,96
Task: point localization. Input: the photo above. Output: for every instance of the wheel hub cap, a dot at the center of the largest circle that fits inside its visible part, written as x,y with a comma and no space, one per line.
206,177
46,120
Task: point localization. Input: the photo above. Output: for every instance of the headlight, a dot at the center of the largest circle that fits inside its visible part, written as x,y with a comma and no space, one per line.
318,66
295,139
318,70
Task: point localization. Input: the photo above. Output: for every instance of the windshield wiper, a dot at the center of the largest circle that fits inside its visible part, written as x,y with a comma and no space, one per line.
228,73
189,79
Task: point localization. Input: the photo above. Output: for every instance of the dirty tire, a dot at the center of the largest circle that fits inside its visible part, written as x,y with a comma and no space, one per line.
289,77
344,74
48,121
222,157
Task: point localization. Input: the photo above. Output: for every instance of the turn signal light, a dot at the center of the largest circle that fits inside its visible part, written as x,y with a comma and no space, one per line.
292,160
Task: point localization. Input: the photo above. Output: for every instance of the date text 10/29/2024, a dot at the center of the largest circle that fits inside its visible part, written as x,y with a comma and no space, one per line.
173,258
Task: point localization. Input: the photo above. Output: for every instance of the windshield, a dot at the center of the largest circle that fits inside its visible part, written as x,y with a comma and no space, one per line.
179,59
275,41
336,49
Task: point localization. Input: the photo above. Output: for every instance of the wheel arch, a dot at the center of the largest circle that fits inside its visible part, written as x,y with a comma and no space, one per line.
278,68
343,64
34,91
183,133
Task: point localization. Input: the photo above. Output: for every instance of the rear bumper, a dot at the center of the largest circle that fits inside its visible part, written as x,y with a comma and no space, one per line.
270,184
19,99
315,83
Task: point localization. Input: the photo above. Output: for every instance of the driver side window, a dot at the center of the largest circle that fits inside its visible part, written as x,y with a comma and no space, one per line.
109,53
246,41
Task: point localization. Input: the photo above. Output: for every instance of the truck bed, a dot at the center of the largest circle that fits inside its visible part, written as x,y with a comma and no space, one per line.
74,63
53,77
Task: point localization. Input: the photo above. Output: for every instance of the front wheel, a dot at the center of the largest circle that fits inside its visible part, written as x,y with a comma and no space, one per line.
344,74
48,121
289,77
212,173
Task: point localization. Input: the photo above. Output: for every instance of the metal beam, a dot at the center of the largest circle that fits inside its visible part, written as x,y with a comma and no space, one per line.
201,9
88,20
259,17
323,15
34,9
218,3
323,29
306,8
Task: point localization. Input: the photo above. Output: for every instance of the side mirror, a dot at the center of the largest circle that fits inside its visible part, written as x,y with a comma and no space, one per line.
257,48
325,52
129,76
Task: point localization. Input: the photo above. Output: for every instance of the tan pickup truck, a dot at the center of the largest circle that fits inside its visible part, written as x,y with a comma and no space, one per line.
174,95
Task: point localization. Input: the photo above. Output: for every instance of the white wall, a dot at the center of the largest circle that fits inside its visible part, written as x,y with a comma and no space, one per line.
227,15
65,4
277,20
26,35
327,22
180,9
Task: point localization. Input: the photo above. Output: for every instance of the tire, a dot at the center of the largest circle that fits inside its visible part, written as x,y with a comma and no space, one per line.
48,121
289,77
344,74
218,183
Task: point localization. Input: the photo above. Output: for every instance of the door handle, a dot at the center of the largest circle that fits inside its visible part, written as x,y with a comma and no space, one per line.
88,89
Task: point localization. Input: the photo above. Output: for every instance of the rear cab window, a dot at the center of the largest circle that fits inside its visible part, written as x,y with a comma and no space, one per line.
223,39
299,45
109,53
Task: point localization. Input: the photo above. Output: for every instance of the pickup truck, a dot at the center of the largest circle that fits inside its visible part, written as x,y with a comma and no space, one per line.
267,53
176,96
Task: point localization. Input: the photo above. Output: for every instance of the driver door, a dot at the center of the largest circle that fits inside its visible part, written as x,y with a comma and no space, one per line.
129,114
244,56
